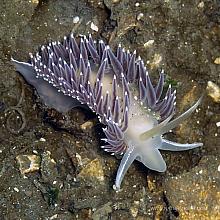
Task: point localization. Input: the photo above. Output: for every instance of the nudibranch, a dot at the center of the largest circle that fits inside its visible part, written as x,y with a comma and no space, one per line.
117,87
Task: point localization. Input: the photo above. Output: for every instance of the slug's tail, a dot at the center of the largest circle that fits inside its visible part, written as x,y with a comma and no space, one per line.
48,93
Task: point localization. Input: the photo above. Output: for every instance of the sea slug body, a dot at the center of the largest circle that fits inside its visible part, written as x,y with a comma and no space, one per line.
118,88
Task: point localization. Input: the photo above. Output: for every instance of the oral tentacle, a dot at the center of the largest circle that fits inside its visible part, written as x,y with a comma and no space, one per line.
128,158
155,130
159,130
173,146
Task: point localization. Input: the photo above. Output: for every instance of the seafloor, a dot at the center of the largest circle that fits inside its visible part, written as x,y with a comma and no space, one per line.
70,176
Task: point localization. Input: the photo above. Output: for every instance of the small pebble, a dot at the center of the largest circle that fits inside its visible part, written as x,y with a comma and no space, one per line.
134,209
16,189
35,2
42,139
217,60
141,15
87,125
156,61
201,5
148,43
94,27
76,19
213,91
93,169
28,163
54,217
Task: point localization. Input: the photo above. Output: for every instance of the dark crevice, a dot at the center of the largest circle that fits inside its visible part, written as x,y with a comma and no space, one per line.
109,24
171,211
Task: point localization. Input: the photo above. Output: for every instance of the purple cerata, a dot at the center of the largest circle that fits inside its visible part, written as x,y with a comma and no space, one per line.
117,87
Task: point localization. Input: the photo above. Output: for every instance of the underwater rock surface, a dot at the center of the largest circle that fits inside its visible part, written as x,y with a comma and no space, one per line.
195,194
